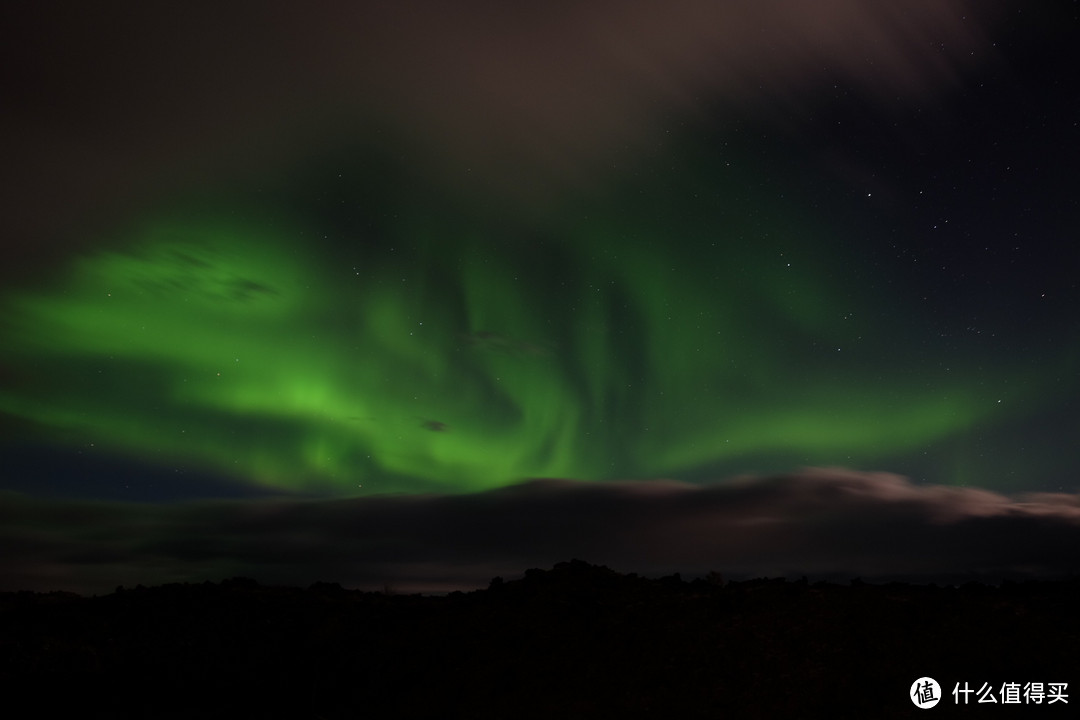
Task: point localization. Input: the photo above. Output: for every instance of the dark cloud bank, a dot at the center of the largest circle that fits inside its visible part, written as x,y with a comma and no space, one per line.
824,523
112,107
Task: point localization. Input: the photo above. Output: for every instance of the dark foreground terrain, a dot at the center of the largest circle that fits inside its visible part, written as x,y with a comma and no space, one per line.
577,641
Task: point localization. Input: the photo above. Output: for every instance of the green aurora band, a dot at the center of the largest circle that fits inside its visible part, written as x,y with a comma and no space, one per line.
453,355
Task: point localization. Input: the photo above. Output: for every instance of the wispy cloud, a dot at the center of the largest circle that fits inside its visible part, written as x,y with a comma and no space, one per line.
820,522
111,110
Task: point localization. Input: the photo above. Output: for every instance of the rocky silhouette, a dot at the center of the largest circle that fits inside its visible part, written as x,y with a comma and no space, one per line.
575,641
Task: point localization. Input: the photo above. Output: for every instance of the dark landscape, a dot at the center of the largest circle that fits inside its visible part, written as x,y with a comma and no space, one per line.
578,640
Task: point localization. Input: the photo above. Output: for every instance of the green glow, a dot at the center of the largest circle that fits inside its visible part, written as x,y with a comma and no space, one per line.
465,360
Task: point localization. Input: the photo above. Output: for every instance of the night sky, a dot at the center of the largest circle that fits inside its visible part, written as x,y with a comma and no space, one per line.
420,293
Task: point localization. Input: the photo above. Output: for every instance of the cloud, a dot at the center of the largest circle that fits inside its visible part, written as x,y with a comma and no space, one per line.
110,110
819,522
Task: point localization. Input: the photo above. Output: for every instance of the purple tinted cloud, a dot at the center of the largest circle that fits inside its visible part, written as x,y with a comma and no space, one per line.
110,110
820,522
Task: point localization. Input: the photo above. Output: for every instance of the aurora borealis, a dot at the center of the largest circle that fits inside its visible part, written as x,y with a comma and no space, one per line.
665,255
465,362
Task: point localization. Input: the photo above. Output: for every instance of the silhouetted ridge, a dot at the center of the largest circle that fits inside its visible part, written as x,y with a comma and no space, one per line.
577,640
